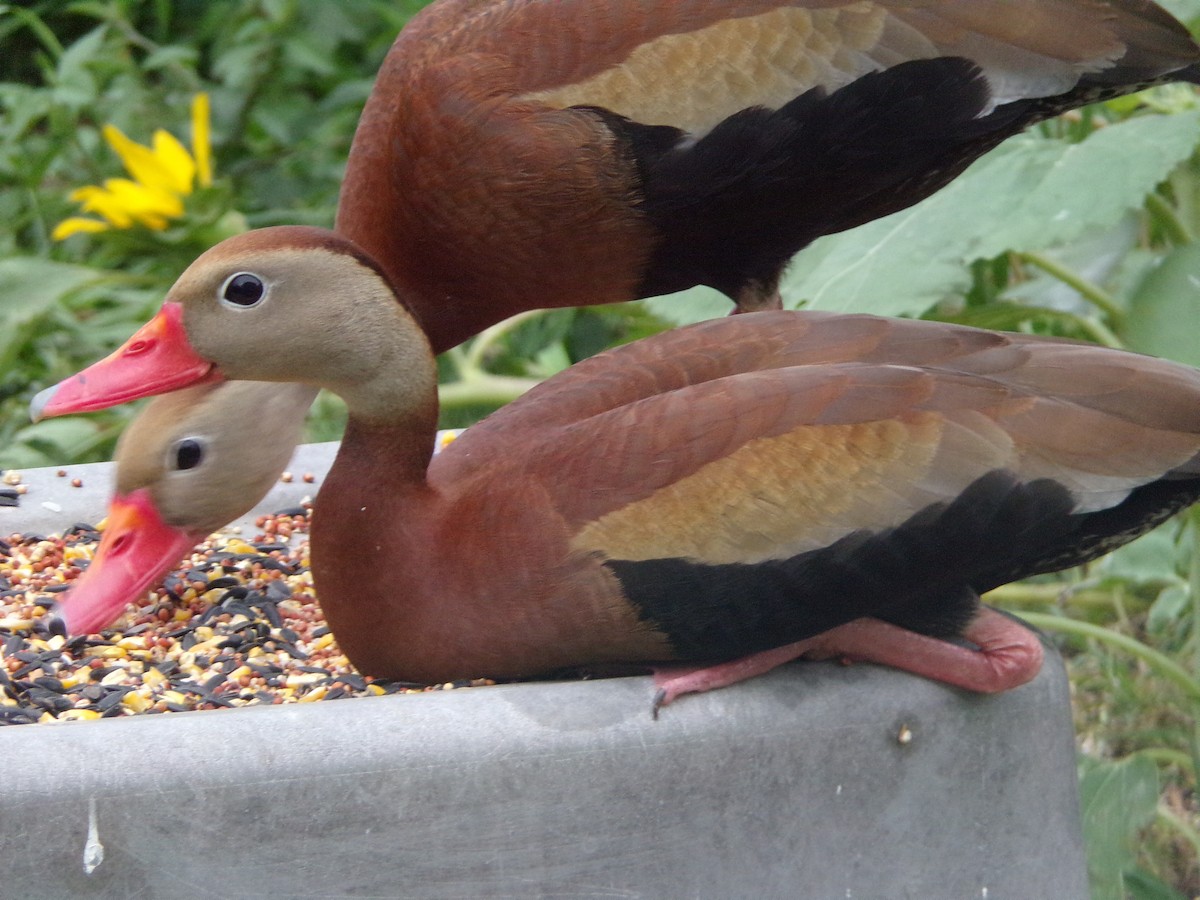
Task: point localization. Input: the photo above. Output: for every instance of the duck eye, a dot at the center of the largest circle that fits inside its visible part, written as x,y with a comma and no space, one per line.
243,290
187,453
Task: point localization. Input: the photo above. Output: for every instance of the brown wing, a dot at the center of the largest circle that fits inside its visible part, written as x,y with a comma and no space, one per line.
693,64
765,436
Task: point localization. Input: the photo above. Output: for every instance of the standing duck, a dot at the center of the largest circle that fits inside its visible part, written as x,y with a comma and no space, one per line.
523,154
741,491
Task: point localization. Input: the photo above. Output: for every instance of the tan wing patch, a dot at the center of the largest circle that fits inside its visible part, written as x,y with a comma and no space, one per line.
779,496
696,79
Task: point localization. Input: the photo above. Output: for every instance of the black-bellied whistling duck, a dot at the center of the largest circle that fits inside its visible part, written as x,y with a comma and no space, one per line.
522,154
517,155
188,465
708,494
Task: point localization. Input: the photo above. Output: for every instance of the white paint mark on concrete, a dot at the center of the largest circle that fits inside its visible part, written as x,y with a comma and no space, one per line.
93,850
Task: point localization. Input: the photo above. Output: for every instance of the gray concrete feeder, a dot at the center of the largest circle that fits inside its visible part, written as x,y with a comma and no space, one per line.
816,781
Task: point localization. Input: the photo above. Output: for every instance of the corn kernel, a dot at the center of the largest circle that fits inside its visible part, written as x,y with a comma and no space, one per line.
323,641
136,701
300,679
78,715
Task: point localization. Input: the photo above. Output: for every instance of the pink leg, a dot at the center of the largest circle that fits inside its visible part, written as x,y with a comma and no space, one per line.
1008,656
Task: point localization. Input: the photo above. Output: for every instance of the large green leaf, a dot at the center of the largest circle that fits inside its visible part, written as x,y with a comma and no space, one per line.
1165,309
1029,194
1152,557
1117,800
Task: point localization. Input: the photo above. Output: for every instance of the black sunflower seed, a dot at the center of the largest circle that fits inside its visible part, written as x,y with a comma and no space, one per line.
50,684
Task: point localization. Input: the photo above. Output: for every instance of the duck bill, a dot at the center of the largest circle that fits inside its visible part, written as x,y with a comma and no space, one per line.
137,549
157,359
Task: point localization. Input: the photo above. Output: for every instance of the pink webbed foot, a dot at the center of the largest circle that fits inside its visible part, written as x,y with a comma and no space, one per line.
1008,654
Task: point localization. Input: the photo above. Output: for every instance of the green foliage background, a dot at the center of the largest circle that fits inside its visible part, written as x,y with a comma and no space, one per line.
1085,227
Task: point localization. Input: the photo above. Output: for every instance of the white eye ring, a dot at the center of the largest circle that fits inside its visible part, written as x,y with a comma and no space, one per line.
243,290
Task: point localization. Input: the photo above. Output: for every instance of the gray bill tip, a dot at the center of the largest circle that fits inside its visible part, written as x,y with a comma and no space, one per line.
40,401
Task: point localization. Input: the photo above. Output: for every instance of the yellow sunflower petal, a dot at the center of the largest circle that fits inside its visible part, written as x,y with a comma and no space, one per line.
202,138
141,162
77,225
81,194
175,159
149,206
103,202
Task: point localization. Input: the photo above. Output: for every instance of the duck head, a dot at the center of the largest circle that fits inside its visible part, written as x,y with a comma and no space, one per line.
182,473
277,304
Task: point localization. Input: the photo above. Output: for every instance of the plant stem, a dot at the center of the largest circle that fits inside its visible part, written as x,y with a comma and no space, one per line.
1168,219
483,389
1181,826
1162,664
478,348
45,36
1099,332
1093,293
1165,756
1194,583
1024,595
1194,592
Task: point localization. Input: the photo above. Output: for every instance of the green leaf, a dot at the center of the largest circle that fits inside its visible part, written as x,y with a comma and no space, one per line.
29,289
50,442
1154,556
1028,194
1165,309
1117,800
171,55
306,55
74,84
1168,609
693,305
1141,885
